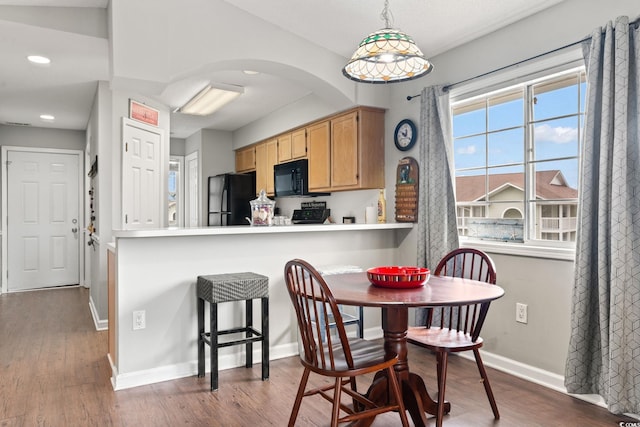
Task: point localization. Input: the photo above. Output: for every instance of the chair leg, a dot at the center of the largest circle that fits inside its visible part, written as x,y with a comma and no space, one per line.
337,392
443,358
485,382
299,396
395,388
357,406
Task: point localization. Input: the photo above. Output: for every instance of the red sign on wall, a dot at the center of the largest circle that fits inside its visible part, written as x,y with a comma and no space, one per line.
143,113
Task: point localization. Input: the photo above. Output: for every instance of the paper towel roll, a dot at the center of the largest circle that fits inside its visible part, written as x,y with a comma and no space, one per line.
370,215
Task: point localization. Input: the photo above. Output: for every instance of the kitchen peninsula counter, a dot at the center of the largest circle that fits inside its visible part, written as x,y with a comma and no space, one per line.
155,271
246,229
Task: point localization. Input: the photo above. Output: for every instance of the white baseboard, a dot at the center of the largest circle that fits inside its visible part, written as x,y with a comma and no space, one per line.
532,374
181,370
101,325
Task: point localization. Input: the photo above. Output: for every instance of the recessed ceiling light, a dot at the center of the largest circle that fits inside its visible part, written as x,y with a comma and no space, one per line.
250,72
47,117
37,59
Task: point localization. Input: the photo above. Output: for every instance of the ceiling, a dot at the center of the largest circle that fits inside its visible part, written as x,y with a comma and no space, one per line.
80,54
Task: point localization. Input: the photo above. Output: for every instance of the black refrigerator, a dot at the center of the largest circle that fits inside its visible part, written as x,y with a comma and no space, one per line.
229,196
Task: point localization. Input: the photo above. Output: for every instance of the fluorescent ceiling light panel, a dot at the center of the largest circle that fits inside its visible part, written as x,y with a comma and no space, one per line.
37,59
211,99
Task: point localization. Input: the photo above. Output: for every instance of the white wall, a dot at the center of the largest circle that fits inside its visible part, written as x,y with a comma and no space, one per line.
41,137
177,146
100,132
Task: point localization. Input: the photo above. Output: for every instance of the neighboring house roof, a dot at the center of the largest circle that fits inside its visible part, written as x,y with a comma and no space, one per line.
550,184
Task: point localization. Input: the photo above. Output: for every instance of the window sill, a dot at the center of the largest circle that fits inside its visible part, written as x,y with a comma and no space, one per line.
521,249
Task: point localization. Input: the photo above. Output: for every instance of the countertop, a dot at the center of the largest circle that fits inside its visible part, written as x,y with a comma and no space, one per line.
245,229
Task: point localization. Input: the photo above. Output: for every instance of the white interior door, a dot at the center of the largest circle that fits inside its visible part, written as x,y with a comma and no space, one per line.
43,219
191,187
143,198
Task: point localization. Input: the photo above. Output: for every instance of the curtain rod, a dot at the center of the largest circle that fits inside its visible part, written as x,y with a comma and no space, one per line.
446,88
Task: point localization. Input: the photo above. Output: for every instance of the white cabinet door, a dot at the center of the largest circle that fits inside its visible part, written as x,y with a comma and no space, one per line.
143,201
43,219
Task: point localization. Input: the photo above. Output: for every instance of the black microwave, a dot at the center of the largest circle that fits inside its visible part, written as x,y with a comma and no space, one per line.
292,179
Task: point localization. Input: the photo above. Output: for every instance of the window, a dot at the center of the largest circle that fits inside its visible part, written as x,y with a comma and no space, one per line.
516,154
174,195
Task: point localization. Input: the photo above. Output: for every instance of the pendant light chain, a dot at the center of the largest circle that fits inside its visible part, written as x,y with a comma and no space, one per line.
385,14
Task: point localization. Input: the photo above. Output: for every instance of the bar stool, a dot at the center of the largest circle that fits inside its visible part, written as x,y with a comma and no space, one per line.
219,288
349,317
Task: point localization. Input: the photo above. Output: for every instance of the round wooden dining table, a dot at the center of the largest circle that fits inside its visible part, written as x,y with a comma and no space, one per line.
355,289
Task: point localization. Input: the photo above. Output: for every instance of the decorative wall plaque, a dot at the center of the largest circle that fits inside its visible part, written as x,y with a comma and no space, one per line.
407,184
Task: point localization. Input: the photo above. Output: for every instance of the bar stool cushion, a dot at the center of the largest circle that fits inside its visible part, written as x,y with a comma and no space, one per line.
232,287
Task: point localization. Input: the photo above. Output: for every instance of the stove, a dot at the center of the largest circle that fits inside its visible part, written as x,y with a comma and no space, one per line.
311,213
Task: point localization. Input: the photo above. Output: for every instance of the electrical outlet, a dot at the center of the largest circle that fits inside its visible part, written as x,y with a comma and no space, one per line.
139,320
521,312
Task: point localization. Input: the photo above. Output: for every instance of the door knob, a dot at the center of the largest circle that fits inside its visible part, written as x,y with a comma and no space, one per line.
74,230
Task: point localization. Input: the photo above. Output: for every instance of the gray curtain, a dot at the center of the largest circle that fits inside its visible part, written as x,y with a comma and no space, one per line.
604,348
437,224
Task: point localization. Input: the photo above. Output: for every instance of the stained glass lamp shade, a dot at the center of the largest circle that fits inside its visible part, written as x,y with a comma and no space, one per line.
387,56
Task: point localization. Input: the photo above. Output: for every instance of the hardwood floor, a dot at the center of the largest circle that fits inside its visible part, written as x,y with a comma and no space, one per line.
54,372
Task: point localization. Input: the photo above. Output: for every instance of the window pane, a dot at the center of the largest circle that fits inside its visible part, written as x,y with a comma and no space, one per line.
173,187
506,184
558,97
507,225
470,152
556,138
555,205
506,111
469,119
583,94
556,179
555,221
506,147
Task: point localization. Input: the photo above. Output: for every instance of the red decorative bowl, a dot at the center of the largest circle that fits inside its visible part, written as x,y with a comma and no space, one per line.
398,277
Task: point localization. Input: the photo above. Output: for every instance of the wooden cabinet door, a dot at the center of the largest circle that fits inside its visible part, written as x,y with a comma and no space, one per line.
266,158
272,160
284,148
261,167
319,155
246,159
299,144
344,151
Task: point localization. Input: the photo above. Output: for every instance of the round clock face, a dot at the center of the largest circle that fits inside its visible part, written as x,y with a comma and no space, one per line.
405,135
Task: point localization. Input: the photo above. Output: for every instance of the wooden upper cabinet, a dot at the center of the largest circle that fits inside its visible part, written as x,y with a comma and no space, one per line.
319,155
246,159
299,144
292,146
344,151
284,148
266,158
357,150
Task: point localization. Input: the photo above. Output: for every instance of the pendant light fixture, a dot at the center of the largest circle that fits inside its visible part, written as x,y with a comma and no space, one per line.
387,56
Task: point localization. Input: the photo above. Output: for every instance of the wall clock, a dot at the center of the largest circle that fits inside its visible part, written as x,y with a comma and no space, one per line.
405,135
